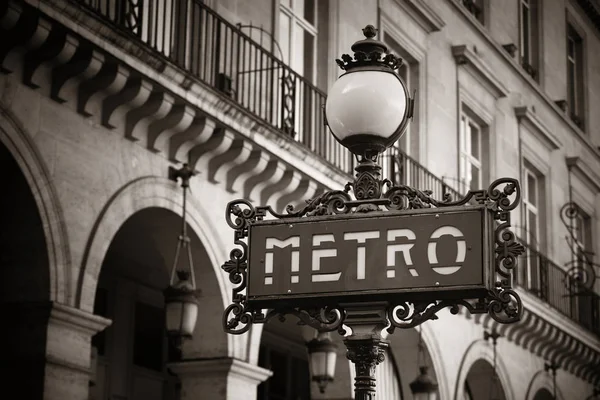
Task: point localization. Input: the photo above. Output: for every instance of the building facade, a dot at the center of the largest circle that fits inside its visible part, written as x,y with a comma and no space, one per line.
99,98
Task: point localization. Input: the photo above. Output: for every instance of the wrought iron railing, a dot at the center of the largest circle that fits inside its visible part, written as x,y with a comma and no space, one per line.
400,168
551,283
195,38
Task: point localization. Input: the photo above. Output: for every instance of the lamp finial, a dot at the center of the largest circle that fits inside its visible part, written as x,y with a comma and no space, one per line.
370,31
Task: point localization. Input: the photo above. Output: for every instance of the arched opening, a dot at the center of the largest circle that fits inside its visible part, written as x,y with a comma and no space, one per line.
543,394
24,267
482,383
24,281
132,354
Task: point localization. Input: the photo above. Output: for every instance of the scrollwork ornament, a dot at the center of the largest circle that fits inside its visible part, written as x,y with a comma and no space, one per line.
234,315
580,277
505,305
406,316
504,199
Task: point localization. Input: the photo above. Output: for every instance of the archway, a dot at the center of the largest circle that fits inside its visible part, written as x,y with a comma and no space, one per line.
25,174
132,354
482,383
543,394
24,280
24,266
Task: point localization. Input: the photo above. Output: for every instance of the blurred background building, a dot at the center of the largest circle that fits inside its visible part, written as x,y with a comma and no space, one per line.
99,97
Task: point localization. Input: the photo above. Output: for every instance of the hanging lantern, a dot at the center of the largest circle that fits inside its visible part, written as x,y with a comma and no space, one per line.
322,357
181,297
424,387
181,307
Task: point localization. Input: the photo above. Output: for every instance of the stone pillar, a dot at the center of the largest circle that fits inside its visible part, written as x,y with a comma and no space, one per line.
47,350
218,379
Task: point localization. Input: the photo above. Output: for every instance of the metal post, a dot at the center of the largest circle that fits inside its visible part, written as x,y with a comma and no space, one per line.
366,348
365,354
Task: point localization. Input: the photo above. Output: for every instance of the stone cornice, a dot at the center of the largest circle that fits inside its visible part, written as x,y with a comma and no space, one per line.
77,319
583,171
425,16
124,87
219,366
157,74
484,74
526,116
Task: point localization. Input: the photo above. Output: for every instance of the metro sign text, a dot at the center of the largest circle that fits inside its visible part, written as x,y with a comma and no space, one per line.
396,252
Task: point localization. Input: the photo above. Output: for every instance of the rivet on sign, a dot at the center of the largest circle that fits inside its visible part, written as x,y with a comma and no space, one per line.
291,226
289,290
437,284
437,215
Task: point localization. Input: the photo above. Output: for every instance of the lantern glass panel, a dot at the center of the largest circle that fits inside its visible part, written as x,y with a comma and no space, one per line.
318,366
331,359
174,314
190,315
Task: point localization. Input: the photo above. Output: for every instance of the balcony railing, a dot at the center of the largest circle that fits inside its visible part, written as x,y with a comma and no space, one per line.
216,52
403,169
551,283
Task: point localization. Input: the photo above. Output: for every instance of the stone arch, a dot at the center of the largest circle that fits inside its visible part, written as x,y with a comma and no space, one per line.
541,382
435,353
30,161
138,195
482,350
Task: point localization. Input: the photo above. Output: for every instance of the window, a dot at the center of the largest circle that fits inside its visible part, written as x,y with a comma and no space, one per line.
575,75
531,197
394,166
297,35
470,142
475,8
528,19
533,275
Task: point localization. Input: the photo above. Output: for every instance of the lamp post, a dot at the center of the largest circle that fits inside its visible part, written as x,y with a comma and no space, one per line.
322,358
298,263
181,297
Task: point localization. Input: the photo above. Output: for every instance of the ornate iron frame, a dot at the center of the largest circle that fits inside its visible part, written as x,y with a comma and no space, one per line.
502,302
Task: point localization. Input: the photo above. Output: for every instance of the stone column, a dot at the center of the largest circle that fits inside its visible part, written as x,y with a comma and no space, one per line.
47,349
218,378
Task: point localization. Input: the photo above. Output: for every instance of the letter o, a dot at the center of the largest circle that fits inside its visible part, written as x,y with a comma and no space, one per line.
460,254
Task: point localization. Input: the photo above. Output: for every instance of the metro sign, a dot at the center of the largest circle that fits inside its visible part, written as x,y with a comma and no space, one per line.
385,254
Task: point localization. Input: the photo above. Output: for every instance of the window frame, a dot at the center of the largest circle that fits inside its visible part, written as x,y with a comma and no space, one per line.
531,36
299,25
466,119
576,96
529,206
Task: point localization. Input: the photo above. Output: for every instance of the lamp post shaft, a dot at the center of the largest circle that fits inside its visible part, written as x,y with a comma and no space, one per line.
365,354
366,348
